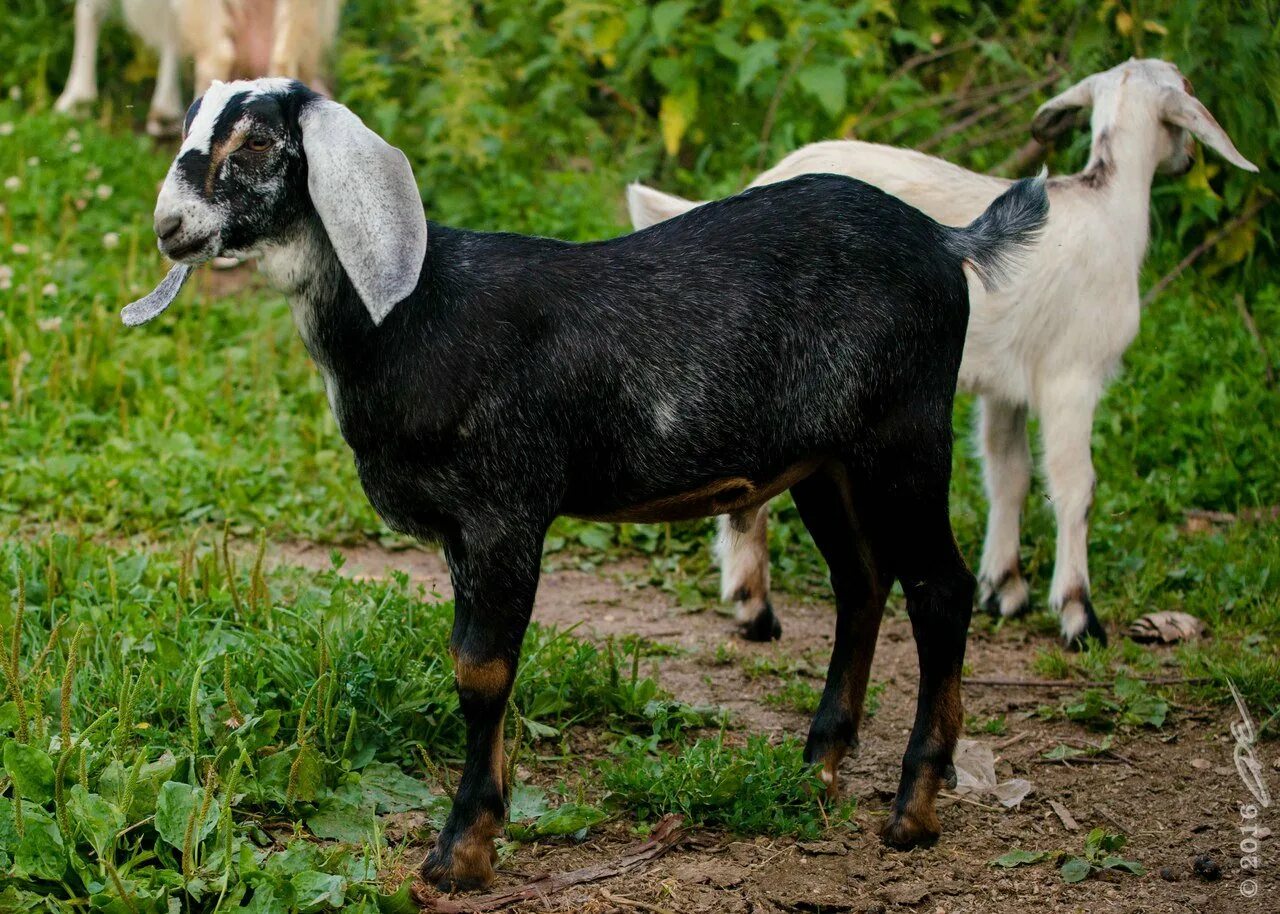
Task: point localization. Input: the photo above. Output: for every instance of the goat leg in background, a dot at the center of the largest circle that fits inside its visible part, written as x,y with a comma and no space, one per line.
156,23
82,80
1066,418
743,549
1006,474
494,582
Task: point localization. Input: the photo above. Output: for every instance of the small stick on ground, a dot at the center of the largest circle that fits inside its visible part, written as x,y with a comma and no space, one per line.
1252,326
665,835
1064,816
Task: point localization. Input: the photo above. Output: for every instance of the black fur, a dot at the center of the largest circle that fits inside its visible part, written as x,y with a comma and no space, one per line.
815,323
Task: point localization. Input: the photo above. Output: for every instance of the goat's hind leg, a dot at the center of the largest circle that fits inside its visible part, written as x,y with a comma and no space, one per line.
1066,421
939,591
826,506
743,548
1006,471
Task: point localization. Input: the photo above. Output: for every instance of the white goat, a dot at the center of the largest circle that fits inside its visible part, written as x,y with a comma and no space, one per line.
226,37
1048,341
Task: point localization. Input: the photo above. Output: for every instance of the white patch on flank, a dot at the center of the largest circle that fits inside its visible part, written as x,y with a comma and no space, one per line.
665,416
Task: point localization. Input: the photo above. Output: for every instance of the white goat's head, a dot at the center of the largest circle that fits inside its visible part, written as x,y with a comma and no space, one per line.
1151,92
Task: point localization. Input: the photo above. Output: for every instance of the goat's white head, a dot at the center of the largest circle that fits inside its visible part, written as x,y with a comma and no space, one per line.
1137,90
259,157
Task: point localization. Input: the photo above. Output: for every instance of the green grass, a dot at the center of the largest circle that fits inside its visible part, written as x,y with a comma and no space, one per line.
282,698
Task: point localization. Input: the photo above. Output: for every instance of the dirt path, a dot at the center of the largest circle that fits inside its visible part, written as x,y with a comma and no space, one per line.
1176,796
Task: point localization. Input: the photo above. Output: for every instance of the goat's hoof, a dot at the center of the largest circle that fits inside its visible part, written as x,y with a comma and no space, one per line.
463,857
1009,598
1080,624
455,868
905,831
74,105
763,627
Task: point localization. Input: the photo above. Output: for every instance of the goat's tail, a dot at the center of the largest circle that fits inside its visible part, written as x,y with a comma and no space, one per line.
991,243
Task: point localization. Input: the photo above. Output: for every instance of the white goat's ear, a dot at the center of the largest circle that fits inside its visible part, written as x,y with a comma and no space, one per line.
649,207
1186,111
1061,113
363,189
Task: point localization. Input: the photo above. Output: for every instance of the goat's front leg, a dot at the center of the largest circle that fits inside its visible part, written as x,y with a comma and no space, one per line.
743,549
165,116
82,80
494,585
1066,423
1006,473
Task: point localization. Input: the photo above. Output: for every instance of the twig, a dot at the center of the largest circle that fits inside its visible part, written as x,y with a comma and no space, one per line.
962,799
1204,246
1252,326
1029,153
1226,517
772,112
1064,815
665,835
608,91
1017,737
999,682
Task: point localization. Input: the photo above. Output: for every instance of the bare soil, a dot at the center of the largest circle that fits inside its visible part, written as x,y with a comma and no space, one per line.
1175,792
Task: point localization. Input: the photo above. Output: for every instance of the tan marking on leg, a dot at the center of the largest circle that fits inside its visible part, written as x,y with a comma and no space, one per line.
743,549
830,773
488,677
498,758
474,853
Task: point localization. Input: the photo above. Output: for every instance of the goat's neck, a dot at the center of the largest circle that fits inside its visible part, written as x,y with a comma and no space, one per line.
325,308
1122,164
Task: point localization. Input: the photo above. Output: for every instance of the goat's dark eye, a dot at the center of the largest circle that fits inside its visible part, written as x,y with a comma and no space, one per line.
258,144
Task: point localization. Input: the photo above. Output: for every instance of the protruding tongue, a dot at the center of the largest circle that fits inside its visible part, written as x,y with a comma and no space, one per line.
144,309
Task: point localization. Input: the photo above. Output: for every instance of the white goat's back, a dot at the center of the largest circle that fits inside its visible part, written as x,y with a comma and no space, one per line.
950,194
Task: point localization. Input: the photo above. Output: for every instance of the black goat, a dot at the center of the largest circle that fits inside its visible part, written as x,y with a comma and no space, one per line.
805,336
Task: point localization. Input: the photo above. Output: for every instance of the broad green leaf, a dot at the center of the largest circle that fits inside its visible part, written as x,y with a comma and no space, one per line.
174,808
1019,857
93,819
337,818
41,852
666,16
8,717
31,770
1076,869
298,857
757,57
1119,863
826,83
391,790
567,819
317,891
8,831
115,779
527,802
400,902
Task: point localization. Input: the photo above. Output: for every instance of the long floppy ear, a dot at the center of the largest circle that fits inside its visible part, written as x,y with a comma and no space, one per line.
1062,112
1186,111
364,191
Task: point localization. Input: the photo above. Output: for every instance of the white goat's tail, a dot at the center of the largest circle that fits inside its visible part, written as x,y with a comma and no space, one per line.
991,244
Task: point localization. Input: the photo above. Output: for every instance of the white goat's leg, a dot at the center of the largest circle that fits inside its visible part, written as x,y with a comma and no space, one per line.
82,80
1006,473
743,547
1066,419
165,116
